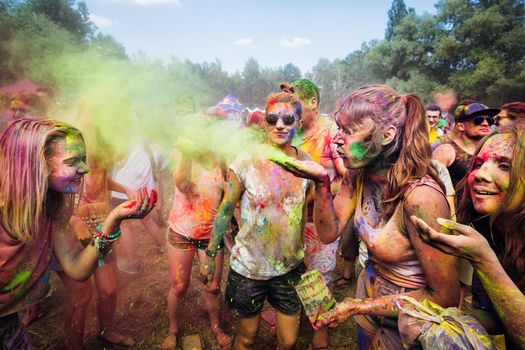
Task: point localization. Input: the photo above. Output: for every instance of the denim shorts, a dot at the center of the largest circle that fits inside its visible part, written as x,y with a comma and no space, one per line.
245,296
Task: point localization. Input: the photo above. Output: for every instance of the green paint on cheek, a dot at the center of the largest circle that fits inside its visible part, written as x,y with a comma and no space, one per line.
17,280
357,149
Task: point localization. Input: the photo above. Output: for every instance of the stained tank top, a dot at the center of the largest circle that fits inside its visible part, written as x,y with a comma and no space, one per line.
460,166
388,244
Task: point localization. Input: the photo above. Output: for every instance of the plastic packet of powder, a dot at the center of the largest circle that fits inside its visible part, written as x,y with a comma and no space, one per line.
315,295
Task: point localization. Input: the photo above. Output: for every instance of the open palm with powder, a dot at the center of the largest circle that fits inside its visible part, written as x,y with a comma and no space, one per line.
307,169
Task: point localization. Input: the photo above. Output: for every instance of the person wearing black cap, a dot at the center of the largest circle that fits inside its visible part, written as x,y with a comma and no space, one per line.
473,125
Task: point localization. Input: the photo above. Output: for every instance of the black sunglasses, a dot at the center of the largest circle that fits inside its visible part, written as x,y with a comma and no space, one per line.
272,119
479,120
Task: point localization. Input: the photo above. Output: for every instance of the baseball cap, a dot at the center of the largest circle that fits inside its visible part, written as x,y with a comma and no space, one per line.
475,109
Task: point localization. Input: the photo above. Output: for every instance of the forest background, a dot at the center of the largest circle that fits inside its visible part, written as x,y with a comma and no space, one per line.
474,47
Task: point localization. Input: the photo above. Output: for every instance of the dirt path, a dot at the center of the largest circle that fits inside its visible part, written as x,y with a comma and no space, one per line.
141,310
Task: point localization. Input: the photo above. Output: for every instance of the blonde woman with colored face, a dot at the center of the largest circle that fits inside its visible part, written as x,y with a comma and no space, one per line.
491,233
43,164
383,140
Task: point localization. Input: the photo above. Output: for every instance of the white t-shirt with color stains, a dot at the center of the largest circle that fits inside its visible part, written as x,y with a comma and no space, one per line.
270,242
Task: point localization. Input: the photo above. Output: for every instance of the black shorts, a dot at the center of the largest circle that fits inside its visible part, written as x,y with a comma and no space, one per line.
245,296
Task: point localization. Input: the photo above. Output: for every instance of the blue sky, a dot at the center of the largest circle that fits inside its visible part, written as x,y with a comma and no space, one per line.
274,32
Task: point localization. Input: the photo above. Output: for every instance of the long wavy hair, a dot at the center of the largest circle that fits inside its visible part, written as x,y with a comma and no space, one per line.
408,156
26,148
506,226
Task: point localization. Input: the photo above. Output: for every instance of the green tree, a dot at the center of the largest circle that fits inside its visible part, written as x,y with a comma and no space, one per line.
396,13
71,15
290,72
108,46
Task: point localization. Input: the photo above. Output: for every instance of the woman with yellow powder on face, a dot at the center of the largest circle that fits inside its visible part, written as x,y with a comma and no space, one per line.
493,205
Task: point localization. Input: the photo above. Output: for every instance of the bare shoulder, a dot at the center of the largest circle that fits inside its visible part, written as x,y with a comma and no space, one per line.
444,153
445,148
424,199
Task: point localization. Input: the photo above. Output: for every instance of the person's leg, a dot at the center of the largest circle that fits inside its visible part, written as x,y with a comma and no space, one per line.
212,298
247,329
106,284
245,297
180,258
349,252
287,330
80,294
284,299
128,264
320,257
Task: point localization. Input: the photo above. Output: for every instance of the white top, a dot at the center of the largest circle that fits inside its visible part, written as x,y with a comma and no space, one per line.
136,172
270,242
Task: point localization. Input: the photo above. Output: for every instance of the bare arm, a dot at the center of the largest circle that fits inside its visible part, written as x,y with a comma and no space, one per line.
440,269
445,154
332,215
232,194
507,298
78,262
225,212
183,175
118,187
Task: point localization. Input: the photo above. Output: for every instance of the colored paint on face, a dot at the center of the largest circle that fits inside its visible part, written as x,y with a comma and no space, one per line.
68,165
279,134
358,150
489,179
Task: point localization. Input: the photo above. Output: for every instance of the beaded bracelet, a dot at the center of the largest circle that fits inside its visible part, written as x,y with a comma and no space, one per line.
103,243
111,237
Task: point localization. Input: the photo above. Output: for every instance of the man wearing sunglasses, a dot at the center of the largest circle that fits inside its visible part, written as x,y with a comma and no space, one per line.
473,125
267,257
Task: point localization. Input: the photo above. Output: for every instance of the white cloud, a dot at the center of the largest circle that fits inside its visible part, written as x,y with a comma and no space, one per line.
100,21
295,42
153,2
243,42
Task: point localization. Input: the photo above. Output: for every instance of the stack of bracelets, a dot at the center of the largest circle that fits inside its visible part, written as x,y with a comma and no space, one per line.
103,243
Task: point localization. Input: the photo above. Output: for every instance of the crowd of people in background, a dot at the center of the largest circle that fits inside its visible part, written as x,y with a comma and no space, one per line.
424,202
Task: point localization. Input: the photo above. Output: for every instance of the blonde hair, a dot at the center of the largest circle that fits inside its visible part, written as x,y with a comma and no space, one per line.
26,148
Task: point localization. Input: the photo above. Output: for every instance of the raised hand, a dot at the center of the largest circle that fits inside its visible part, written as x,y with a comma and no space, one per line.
307,169
137,208
466,242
